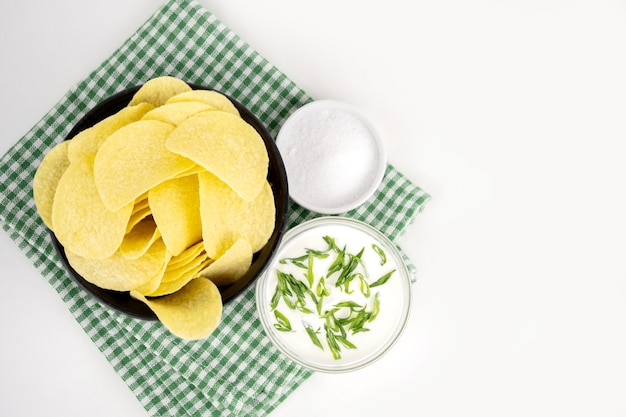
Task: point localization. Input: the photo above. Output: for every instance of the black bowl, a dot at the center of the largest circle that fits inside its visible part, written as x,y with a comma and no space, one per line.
277,177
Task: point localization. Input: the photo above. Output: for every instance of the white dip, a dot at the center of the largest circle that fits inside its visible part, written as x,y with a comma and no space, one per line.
377,259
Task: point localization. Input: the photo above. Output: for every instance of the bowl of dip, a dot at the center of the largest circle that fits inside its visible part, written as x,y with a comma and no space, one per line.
334,157
336,296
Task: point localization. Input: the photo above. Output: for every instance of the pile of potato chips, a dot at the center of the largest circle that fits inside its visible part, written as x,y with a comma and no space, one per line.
167,198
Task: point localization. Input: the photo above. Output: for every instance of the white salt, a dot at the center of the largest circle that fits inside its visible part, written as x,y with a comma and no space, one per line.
332,157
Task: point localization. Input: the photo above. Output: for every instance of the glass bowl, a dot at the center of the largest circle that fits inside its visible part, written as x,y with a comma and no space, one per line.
301,256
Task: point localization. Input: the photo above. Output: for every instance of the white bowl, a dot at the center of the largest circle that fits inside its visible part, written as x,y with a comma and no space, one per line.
335,159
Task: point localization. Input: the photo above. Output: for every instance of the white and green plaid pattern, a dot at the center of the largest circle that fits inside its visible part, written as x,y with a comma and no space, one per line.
236,371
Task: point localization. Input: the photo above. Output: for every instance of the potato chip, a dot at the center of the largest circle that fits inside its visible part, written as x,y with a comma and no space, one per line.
175,206
133,160
226,146
46,179
227,217
139,239
158,90
153,283
80,221
191,313
193,258
136,216
141,203
195,169
187,255
176,113
231,266
183,277
213,98
86,143
119,273
174,271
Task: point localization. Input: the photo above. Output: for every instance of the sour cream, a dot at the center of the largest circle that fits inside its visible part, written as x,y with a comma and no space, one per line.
388,302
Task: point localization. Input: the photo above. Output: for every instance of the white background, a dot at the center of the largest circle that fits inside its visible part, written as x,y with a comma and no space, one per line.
511,113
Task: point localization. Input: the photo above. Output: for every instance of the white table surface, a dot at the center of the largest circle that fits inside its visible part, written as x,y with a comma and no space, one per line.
511,113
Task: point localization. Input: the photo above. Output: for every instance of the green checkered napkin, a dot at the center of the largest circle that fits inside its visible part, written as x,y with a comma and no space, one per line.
236,371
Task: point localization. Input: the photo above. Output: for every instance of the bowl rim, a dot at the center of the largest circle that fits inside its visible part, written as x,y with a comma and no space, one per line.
121,301
263,310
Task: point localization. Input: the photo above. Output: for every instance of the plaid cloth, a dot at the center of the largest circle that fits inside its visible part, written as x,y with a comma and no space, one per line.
236,371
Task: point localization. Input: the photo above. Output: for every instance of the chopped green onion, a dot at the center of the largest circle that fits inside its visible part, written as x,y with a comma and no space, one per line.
309,271
319,305
345,342
308,293
381,253
317,253
332,344
321,289
375,308
337,265
275,299
296,261
331,244
313,335
283,323
347,270
382,279
349,304
364,286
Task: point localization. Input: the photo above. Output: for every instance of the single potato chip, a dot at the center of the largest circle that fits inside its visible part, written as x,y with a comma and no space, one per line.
81,222
226,146
213,98
86,143
119,273
191,313
175,206
158,90
47,178
231,266
133,160
227,217
176,113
